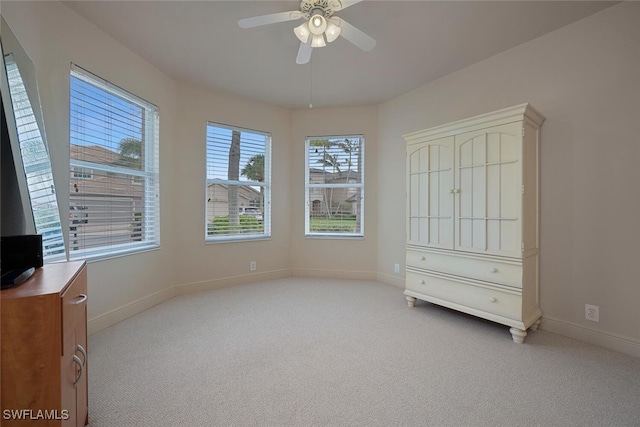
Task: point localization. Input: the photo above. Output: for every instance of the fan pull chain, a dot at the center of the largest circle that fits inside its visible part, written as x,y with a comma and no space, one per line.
311,85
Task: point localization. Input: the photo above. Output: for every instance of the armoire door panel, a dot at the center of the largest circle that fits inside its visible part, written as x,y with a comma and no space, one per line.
488,176
494,197
430,198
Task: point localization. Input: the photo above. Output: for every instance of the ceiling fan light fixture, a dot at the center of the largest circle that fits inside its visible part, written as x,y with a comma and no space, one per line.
332,32
317,24
318,41
302,32
320,26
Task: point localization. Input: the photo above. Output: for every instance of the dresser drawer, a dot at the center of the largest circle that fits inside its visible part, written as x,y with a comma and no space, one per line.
485,269
466,293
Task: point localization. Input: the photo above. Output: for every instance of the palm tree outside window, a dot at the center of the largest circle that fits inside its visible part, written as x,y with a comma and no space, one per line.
238,187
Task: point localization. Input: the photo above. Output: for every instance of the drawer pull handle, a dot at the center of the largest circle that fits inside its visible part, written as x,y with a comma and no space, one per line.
421,282
81,298
84,353
494,270
493,299
79,363
423,258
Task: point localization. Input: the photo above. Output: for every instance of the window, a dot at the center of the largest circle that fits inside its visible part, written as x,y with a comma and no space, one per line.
81,173
238,183
114,206
334,192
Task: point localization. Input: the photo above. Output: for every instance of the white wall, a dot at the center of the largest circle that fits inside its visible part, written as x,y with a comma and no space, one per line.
585,78
205,266
54,37
348,257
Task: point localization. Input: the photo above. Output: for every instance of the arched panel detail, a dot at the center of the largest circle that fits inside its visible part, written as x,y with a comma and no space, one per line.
429,199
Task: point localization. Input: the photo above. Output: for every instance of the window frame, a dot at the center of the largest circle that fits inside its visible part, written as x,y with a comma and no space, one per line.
308,186
266,184
150,173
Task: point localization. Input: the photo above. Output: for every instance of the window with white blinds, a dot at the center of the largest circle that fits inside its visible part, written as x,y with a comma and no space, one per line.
334,196
37,167
238,184
114,182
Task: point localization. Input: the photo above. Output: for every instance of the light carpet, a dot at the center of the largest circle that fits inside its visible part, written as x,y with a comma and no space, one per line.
324,352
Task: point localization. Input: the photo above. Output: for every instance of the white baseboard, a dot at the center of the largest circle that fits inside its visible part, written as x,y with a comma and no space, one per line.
208,285
119,314
334,274
613,342
391,280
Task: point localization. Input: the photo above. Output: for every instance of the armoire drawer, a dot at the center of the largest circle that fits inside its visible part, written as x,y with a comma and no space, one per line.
466,293
487,270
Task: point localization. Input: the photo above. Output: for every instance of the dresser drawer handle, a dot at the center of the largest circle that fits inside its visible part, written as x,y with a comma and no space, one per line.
79,363
423,258
494,270
84,353
493,299
81,298
421,282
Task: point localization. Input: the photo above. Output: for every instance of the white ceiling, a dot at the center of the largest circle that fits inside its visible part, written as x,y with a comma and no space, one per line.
417,42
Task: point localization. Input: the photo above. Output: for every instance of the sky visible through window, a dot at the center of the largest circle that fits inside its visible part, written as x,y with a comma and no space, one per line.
219,143
102,118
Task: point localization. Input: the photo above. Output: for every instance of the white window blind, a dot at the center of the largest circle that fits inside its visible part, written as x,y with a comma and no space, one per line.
334,196
114,185
238,184
37,167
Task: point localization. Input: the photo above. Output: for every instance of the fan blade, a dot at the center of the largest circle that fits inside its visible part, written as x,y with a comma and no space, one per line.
354,35
337,5
304,53
273,18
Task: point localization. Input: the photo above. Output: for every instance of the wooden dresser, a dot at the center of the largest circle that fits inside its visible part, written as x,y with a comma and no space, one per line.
44,342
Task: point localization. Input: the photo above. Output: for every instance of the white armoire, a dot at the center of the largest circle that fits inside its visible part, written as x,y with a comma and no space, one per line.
472,217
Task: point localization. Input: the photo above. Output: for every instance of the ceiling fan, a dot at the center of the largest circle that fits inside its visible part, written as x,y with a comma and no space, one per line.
320,24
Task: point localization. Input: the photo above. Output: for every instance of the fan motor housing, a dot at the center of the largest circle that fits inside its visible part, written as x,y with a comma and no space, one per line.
316,7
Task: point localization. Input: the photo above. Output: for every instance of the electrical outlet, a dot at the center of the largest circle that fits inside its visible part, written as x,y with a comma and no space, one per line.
396,268
252,266
592,312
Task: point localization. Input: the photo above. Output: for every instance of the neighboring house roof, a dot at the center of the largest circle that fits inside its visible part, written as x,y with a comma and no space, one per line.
94,154
247,188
